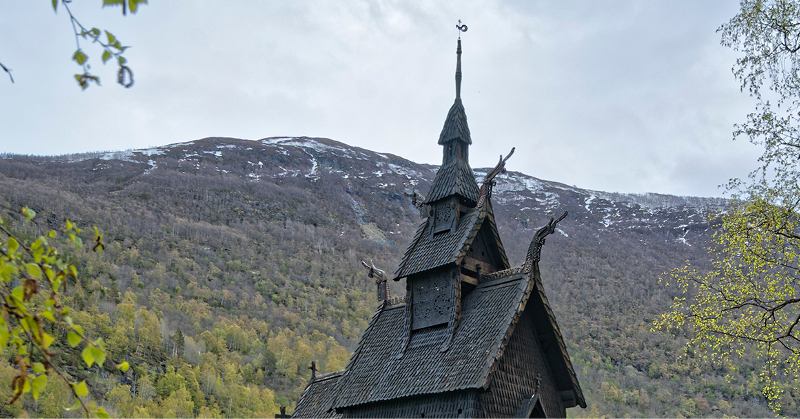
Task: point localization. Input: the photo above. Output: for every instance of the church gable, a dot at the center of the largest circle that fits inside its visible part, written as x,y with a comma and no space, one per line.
483,251
522,373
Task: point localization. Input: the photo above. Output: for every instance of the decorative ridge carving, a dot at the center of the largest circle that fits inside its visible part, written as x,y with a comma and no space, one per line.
418,201
505,272
381,280
488,180
535,249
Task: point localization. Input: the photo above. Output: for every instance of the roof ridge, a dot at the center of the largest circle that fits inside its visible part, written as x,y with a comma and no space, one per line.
328,375
498,274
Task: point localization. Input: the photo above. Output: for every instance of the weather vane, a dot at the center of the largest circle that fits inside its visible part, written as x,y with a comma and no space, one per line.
461,28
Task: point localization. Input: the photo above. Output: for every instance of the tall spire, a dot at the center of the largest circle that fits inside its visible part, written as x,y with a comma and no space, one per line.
461,28
458,70
455,177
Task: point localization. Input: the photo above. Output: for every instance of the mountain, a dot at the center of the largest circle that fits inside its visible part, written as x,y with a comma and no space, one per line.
251,250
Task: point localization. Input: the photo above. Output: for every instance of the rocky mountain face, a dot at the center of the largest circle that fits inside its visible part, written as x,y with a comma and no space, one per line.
322,206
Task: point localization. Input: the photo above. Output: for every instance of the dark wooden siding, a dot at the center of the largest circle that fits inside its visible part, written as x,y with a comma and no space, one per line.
515,377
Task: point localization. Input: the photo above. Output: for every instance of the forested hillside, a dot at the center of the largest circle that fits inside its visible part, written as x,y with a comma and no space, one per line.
230,265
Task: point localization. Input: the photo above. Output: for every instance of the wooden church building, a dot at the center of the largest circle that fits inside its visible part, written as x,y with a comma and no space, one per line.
473,337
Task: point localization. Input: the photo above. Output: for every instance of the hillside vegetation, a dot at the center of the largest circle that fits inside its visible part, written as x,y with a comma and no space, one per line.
230,265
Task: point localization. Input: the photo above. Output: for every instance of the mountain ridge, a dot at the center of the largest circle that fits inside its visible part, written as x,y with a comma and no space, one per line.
273,231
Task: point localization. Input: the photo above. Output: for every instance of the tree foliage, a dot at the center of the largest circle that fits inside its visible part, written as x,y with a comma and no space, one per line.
749,301
33,278
109,44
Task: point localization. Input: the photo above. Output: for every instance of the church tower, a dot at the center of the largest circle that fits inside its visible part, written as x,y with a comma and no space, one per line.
453,246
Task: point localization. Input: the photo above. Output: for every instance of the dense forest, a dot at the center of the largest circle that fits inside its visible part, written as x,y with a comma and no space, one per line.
231,265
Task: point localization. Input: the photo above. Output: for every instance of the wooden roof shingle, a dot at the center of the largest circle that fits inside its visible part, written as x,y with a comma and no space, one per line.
428,252
454,178
317,397
373,374
455,126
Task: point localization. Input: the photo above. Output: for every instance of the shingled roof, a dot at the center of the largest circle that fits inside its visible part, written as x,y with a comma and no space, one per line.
455,126
489,315
455,177
428,252
317,397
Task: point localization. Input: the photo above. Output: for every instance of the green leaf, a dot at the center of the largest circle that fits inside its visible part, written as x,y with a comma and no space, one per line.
80,389
134,4
37,254
106,56
33,270
55,5
18,292
38,384
29,213
73,339
121,60
48,315
111,38
12,245
47,340
101,413
88,356
75,406
38,367
79,57
124,366
95,32
99,356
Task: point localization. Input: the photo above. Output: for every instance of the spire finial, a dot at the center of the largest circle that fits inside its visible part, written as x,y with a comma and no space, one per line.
461,28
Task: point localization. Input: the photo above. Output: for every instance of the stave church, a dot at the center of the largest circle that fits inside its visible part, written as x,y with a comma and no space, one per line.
473,337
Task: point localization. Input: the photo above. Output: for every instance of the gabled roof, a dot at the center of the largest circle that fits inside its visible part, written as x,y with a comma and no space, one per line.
549,335
455,126
527,406
426,252
454,178
373,374
317,397
490,313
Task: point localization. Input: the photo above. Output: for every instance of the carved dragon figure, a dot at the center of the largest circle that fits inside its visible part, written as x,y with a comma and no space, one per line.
417,200
381,280
535,249
488,180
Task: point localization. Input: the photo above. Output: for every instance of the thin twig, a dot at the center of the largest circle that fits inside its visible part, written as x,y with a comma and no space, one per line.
7,70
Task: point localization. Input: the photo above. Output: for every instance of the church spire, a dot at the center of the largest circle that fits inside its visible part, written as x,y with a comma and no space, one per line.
455,177
461,28
458,70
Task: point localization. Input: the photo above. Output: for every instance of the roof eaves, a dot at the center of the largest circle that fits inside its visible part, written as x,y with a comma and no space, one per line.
357,352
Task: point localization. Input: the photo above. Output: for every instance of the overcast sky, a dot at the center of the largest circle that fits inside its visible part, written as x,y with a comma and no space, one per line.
621,96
